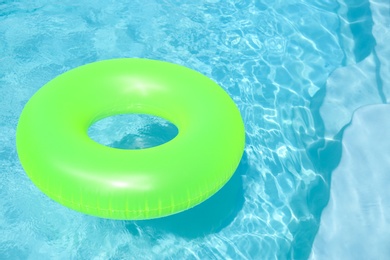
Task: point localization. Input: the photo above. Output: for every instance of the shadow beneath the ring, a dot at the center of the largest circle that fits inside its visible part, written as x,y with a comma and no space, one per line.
209,217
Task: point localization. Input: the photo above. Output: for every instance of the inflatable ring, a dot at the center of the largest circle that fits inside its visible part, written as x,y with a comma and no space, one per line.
72,169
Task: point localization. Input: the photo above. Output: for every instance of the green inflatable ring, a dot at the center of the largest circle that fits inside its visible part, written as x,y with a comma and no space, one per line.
72,169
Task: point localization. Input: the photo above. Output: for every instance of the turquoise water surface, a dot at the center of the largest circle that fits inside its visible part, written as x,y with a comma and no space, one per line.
312,82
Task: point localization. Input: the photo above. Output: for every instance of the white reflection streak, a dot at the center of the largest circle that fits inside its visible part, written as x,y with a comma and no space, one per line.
139,85
139,183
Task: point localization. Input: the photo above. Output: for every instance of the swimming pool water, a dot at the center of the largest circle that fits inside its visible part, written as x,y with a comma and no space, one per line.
312,81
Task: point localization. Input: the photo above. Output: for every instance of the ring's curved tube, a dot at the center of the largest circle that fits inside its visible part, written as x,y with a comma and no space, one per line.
71,168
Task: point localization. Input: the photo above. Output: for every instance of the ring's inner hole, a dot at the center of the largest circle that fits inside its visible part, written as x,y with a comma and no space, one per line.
132,131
